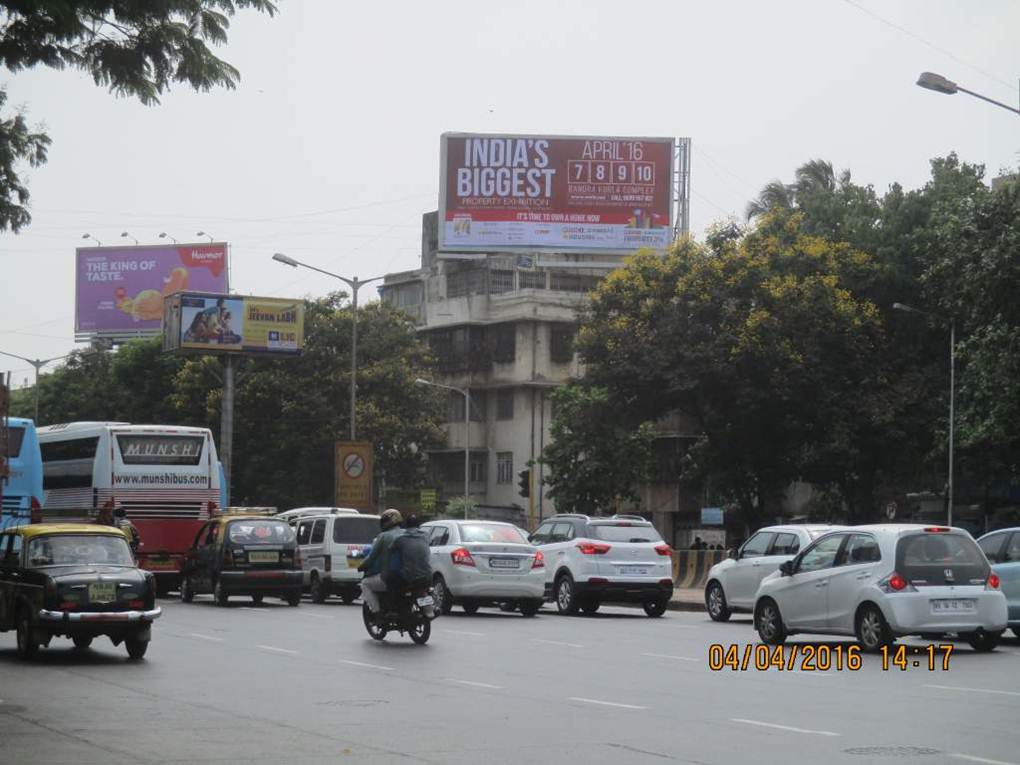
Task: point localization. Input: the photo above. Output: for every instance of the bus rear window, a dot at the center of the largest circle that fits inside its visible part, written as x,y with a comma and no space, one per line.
160,450
937,559
624,532
354,530
12,448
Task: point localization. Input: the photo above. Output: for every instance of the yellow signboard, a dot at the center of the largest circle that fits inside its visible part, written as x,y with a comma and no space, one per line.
353,460
428,499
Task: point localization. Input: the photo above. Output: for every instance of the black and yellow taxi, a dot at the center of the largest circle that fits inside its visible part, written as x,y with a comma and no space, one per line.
243,553
74,580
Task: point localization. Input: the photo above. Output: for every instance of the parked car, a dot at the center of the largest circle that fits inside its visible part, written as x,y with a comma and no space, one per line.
733,583
590,561
1002,548
881,582
483,563
332,546
74,580
243,554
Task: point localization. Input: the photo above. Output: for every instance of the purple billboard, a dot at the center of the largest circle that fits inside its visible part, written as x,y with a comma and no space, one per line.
121,289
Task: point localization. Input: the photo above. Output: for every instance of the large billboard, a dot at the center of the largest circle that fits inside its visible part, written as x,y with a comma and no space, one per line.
526,192
120,290
233,324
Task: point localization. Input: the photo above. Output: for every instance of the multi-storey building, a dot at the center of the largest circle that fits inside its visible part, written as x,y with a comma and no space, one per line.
501,326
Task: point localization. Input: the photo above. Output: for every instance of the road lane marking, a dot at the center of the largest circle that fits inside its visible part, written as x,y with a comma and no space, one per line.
205,637
475,684
363,664
605,703
985,760
274,649
558,642
973,690
783,727
463,632
668,656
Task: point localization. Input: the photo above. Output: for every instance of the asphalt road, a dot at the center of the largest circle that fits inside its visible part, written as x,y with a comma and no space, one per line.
275,684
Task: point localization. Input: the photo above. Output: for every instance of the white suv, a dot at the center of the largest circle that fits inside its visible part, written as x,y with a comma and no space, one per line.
589,561
332,542
884,581
478,563
733,583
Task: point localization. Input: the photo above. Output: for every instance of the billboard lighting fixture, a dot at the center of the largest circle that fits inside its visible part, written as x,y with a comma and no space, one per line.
126,235
165,235
89,236
202,233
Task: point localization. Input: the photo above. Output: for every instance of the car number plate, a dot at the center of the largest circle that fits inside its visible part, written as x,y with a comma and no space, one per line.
426,601
634,570
504,563
102,592
955,606
263,557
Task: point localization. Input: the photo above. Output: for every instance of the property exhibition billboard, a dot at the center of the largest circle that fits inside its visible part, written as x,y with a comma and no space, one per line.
525,192
119,291
233,324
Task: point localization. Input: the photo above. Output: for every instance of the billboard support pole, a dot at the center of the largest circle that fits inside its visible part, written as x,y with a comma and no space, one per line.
227,422
682,189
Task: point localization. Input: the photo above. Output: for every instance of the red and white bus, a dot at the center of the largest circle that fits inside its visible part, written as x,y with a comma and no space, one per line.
166,478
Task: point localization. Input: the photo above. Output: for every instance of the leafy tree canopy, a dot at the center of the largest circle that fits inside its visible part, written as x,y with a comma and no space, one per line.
136,48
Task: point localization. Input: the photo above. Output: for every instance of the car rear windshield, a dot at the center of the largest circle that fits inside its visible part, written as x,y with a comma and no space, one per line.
79,549
355,531
940,558
256,532
625,532
484,532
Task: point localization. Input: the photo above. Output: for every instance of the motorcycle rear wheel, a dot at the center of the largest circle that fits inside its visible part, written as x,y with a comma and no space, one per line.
376,631
421,631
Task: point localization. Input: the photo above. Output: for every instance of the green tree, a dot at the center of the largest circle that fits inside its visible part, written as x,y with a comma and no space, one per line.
135,48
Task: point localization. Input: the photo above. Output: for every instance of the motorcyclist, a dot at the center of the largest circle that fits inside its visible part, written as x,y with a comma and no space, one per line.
377,560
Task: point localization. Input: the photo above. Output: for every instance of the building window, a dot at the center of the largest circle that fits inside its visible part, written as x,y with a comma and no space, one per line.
505,404
504,467
479,402
403,295
561,343
531,280
500,280
478,471
502,342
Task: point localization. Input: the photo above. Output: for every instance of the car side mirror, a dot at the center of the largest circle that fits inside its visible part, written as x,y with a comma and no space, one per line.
786,568
732,553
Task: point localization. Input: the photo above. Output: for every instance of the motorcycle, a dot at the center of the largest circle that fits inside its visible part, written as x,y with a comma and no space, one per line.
410,610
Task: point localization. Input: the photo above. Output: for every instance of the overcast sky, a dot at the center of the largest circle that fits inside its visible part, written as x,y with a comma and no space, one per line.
329,148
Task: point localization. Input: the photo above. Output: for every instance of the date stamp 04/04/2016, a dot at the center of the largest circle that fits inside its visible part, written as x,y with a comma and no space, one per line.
808,657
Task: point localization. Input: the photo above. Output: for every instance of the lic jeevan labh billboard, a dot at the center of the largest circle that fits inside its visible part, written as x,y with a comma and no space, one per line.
520,192
233,324
120,290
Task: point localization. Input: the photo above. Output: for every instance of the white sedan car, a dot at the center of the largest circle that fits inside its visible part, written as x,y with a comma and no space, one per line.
480,563
884,581
733,583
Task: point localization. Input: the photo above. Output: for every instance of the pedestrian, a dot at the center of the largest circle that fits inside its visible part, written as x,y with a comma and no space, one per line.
698,544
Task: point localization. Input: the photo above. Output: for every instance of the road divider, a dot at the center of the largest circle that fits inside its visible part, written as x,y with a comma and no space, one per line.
691,567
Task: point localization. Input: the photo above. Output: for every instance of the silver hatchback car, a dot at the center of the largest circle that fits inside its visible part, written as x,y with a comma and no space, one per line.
885,581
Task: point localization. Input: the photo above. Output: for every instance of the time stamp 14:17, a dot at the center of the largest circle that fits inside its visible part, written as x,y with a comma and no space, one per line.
807,657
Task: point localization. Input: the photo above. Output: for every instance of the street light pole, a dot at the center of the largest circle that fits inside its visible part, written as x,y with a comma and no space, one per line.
952,396
355,284
940,84
38,364
467,434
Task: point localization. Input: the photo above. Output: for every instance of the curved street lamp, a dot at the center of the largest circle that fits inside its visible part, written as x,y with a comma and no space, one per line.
940,84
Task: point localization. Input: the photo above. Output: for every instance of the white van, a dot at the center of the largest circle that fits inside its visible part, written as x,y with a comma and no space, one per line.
332,542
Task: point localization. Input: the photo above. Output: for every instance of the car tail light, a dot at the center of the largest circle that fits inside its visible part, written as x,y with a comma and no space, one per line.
228,559
136,603
665,582
68,604
663,549
327,562
593,548
896,583
937,529
993,582
539,560
298,562
461,557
